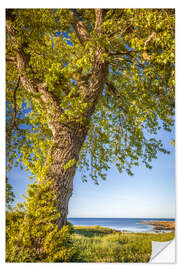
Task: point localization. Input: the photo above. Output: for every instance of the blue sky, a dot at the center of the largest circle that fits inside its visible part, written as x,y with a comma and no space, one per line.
147,194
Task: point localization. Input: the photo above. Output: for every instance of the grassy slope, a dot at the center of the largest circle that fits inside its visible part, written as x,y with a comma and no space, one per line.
97,244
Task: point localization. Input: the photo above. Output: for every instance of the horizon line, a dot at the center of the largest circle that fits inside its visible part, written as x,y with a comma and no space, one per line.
129,217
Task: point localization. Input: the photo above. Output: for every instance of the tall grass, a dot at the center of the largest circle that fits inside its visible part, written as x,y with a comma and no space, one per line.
97,244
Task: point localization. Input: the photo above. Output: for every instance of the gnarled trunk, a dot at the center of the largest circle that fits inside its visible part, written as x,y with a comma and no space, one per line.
67,143
69,138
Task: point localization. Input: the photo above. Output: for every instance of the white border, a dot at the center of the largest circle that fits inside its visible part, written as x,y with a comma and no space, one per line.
90,4
2,137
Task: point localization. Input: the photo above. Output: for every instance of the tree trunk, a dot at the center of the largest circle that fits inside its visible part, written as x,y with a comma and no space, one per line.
68,140
67,143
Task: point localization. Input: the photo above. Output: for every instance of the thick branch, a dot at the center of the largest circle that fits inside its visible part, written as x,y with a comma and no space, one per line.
22,63
99,68
31,85
11,32
99,12
11,59
80,29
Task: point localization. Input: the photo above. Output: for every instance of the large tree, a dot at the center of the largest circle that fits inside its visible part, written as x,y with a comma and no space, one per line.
87,88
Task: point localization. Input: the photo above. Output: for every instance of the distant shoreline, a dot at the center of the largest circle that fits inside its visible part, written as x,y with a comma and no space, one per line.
128,225
160,225
155,231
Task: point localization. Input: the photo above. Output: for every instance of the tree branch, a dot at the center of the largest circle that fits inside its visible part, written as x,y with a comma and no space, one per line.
100,13
80,29
127,29
112,89
15,104
11,59
31,85
99,67
122,53
150,37
129,61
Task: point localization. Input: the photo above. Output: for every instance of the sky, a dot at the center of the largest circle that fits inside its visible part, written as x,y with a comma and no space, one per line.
150,193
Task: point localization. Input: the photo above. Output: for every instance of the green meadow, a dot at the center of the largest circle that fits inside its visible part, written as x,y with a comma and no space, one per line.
98,244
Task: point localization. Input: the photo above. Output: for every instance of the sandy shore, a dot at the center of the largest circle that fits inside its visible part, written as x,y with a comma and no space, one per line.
161,225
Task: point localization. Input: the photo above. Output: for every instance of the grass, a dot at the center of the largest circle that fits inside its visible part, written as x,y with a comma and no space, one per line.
98,244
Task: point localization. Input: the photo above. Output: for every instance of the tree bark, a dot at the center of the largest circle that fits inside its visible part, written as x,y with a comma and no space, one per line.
67,143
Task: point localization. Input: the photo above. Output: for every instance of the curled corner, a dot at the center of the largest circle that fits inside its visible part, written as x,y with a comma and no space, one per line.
163,252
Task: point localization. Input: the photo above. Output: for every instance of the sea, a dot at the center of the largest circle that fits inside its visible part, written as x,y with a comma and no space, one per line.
120,224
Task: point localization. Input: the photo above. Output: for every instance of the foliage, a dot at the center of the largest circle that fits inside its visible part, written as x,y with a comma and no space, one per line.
98,244
138,95
31,233
9,194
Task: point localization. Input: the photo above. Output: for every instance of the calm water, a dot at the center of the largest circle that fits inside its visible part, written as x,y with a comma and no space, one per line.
126,224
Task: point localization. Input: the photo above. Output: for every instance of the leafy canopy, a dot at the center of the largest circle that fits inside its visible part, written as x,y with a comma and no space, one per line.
138,96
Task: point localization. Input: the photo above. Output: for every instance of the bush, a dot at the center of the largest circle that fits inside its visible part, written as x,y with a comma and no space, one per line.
71,227
31,231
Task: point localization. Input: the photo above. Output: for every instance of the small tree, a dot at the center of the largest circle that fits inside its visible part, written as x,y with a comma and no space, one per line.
84,87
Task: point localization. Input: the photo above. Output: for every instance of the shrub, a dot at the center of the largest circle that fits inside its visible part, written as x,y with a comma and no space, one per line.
31,231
